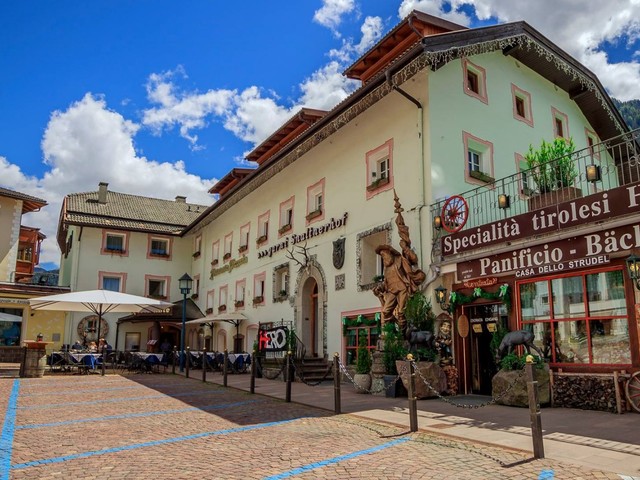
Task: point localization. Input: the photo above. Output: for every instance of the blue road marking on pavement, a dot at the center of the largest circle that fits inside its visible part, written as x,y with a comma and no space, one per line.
546,475
136,415
329,461
8,429
47,461
116,400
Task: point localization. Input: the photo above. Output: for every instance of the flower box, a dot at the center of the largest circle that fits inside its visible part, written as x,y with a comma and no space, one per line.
239,303
314,214
196,254
209,310
194,296
377,184
261,239
483,177
284,228
243,248
215,262
113,250
222,308
258,300
227,256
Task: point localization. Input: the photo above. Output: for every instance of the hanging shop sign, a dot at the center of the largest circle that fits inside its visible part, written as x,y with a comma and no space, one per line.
309,233
555,257
592,208
481,282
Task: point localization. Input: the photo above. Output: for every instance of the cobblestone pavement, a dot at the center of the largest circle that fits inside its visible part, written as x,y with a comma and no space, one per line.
169,427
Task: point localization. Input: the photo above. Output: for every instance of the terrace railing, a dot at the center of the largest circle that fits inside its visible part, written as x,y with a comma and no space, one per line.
600,167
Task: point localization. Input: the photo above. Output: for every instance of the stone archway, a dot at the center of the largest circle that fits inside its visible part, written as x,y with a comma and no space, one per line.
310,311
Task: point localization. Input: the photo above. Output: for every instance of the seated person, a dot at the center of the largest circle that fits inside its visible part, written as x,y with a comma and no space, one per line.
102,343
77,346
93,347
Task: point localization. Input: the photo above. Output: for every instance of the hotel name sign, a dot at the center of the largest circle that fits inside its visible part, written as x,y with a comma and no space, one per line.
310,232
592,208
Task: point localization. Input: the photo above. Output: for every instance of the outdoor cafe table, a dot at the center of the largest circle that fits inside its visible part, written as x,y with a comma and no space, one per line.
88,360
233,356
149,357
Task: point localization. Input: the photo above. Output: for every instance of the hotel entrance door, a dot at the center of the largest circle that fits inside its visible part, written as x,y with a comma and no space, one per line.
484,321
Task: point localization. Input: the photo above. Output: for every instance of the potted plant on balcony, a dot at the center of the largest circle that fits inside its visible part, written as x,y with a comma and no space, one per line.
222,308
258,300
313,214
553,171
282,296
362,377
209,310
284,228
239,303
261,239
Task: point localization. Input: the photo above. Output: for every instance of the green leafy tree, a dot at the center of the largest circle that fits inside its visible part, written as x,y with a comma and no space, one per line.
630,111
551,165
363,362
419,313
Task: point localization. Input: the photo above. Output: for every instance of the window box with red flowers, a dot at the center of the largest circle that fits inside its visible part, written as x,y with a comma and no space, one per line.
209,310
239,303
215,262
222,308
227,256
261,239
258,300
314,214
284,228
243,248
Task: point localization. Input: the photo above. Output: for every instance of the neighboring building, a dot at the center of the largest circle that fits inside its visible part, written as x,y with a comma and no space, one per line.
125,243
19,254
442,109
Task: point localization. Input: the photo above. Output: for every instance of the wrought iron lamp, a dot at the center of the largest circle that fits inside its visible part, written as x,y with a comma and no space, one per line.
184,282
441,298
504,201
593,173
633,267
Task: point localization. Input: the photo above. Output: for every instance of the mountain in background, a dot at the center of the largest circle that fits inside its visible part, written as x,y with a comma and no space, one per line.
630,112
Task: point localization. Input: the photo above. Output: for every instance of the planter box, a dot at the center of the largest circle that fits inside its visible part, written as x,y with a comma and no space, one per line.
483,177
261,239
393,387
377,184
284,229
547,199
314,214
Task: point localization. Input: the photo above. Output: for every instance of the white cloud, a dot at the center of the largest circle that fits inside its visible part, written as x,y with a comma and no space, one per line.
189,111
331,12
89,143
326,87
371,32
576,29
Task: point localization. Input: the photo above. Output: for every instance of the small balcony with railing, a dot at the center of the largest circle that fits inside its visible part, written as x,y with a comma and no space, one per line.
558,194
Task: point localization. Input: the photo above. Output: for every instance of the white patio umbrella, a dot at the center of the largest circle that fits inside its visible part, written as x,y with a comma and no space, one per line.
98,302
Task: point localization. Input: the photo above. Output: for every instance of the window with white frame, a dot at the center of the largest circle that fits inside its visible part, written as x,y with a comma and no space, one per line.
211,298
281,283
592,141
521,105
215,253
222,299
263,228
560,123
475,81
114,282
157,287
159,247
478,160
240,291
228,244
197,246
286,216
114,242
259,281
315,201
244,238
379,168
371,266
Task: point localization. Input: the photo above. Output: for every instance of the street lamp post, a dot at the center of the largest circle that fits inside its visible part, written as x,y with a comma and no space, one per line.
185,282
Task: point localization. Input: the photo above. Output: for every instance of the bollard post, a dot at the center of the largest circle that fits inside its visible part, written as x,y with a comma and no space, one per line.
252,384
204,364
187,362
336,384
173,366
224,368
534,410
413,405
104,359
288,374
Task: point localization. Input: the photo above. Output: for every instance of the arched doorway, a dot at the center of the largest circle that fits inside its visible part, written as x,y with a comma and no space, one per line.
310,318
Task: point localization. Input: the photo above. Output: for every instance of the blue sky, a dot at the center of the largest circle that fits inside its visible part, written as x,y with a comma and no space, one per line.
162,98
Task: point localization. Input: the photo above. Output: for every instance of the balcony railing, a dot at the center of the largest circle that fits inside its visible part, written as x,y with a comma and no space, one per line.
601,167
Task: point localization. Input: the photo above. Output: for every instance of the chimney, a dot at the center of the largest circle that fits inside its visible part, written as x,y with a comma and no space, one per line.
102,192
181,199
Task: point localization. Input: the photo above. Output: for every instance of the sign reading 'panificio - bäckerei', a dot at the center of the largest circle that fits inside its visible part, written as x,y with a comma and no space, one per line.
555,257
599,206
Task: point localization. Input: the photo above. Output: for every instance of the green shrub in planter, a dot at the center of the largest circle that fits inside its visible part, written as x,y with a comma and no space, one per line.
363,362
394,348
512,361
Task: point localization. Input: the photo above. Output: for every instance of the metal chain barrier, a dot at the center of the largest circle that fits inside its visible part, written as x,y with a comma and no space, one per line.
465,405
344,370
300,374
262,372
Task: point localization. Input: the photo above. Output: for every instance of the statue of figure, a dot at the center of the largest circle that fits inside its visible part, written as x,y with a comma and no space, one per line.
443,343
401,279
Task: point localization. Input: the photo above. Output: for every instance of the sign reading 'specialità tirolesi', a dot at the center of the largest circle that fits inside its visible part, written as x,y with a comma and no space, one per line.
598,206
310,232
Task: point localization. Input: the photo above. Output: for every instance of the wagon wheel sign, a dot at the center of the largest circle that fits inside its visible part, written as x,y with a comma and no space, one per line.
454,213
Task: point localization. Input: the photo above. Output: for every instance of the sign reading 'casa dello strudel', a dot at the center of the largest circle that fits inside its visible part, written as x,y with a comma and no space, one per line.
310,232
555,257
599,206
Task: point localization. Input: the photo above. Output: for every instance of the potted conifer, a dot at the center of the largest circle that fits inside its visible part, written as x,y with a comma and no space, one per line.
362,378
